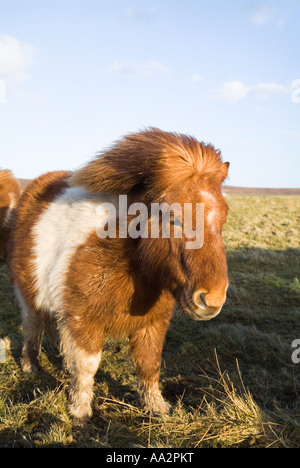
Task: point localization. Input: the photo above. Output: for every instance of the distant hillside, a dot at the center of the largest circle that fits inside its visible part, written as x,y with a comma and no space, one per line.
24,183
230,190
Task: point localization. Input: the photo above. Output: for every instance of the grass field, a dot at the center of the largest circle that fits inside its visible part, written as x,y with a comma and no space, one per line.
231,381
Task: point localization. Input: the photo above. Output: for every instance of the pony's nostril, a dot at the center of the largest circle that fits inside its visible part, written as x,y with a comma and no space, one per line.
202,297
199,299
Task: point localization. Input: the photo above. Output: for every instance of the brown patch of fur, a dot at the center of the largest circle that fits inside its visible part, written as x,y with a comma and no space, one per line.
9,195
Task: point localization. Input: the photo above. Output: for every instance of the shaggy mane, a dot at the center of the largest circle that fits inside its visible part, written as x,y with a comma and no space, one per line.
153,158
5,176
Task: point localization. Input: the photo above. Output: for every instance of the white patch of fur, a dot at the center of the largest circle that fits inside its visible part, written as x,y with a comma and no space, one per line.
152,399
85,367
211,213
210,217
82,366
207,196
59,231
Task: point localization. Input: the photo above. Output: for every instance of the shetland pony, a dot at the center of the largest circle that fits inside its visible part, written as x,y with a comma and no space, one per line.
9,195
92,286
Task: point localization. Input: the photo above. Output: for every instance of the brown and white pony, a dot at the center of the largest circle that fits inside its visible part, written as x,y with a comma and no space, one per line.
9,195
92,287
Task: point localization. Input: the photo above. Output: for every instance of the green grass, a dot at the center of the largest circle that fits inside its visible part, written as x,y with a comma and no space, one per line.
231,381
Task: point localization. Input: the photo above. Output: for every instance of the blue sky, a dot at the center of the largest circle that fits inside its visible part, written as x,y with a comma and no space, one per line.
76,75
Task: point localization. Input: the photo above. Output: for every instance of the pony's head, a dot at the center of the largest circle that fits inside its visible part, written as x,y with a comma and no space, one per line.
179,180
9,196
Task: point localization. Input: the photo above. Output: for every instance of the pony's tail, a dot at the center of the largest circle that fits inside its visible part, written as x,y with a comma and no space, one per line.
9,196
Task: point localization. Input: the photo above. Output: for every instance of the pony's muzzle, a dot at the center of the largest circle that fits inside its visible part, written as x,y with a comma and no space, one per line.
201,314
205,305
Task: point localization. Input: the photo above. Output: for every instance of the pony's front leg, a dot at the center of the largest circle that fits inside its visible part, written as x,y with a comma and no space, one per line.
83,369
146,348
82,365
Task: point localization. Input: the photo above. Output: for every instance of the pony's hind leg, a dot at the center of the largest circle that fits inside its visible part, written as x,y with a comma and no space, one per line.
51,330
34,328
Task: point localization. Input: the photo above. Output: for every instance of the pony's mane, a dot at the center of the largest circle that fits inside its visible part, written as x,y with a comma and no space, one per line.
154,158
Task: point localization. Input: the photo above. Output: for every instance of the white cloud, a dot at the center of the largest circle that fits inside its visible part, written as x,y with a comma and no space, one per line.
139,15
2,91
196,78
234,91
264,14
135,70
267,89
15,58
290,133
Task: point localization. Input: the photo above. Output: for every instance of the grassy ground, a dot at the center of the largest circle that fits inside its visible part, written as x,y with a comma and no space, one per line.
231,381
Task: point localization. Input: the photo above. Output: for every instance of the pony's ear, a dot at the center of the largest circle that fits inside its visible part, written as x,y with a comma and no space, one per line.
223,171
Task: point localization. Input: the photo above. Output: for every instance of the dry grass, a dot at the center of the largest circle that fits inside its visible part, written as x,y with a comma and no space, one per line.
231,381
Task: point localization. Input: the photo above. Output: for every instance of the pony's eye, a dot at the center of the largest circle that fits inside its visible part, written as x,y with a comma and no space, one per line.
176,221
